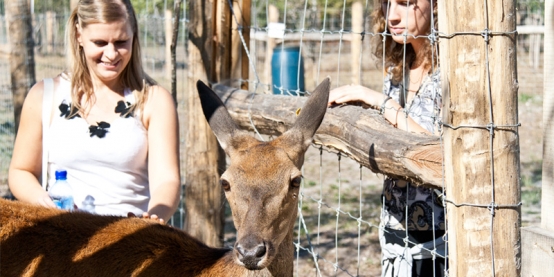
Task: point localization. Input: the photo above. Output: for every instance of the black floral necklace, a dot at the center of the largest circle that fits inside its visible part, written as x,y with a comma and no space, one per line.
101,128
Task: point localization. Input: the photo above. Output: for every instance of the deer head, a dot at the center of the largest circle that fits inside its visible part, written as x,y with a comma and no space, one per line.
262,180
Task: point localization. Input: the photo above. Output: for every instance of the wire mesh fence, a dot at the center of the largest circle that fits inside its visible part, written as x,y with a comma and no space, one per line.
337,230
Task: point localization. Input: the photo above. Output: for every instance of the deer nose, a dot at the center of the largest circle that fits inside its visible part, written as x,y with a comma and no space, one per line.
250,256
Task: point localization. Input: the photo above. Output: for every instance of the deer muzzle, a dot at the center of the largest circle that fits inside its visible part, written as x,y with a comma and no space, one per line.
251,253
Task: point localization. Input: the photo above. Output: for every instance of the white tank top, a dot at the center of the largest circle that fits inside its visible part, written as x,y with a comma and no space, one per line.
113,169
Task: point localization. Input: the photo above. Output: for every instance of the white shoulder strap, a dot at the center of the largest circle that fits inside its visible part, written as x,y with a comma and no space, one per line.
47,99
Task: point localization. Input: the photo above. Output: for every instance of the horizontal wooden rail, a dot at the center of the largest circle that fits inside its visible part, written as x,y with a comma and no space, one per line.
361,134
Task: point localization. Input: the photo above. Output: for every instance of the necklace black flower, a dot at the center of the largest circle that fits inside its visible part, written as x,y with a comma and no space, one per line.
65,110
123,109
101,128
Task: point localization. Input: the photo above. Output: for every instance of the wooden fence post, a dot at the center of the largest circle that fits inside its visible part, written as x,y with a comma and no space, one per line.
356,41
204,159
50,31
270,44
246,22
547,220
168,24
239,59
173,47
537,241
22,58
481,164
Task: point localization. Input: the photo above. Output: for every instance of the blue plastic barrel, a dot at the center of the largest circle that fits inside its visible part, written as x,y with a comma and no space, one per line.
287,70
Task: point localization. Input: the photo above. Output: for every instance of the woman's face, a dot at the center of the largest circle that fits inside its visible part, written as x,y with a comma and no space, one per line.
107,48
410,17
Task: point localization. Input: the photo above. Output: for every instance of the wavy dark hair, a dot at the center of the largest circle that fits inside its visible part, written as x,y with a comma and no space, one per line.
394,52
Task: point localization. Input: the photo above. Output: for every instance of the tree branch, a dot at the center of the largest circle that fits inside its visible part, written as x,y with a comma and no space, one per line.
359,133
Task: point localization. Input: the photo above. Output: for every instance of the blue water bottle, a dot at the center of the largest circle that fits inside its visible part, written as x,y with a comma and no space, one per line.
61,192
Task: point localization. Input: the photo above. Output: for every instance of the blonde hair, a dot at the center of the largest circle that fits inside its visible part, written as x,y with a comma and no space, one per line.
394,52
132,77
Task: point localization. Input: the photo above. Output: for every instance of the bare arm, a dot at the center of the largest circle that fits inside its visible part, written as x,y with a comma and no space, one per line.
393,112
26,164
163,153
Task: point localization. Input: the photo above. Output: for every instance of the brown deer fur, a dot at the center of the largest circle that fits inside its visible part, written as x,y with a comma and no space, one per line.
261,185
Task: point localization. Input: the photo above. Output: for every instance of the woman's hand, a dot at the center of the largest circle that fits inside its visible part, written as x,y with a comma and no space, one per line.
46,201
353,93
146,215
390,109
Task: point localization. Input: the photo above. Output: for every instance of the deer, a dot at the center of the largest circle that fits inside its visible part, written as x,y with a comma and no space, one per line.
261,185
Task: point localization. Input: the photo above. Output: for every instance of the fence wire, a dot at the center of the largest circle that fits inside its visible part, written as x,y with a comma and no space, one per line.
338,214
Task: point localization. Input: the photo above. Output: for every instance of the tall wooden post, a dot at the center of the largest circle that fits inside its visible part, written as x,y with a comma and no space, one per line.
270,44
168,26
209,42
246,22
537,241
22,58
481,165
173,47
239,59
50,31
547,220
356,41
236,43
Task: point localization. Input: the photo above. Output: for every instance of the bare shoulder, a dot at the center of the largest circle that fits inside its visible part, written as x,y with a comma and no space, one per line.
160,104
159,97
37,91
34,97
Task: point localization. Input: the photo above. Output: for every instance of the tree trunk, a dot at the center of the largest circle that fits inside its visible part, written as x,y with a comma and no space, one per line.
481,163
204,203
547,220
173,49
22,59
356,41
361,134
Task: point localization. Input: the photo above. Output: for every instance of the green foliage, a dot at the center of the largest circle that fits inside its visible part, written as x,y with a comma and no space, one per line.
530,191
524,97
315,11
58,6
149,6
534,6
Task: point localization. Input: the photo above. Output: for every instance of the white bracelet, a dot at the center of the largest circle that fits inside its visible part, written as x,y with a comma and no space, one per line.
382,110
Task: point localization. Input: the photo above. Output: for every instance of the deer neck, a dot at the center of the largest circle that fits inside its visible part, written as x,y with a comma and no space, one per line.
282,264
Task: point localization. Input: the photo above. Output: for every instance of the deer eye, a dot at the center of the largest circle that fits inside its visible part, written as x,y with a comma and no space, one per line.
225,185
296,181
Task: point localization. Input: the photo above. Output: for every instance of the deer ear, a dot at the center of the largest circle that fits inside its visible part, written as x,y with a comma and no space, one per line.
311,115
217,115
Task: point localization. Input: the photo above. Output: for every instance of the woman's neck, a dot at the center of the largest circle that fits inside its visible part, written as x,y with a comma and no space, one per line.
420,59
103,87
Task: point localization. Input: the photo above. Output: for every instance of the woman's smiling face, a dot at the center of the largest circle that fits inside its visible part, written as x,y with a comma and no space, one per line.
107,48
410,17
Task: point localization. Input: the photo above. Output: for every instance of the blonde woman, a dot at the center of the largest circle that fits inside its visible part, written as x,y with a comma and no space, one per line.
111,127
411,101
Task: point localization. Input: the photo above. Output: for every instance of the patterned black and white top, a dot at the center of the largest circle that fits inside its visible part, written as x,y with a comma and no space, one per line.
106,160
421,204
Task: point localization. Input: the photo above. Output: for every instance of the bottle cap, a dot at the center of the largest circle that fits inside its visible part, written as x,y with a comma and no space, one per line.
89,200
61,175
